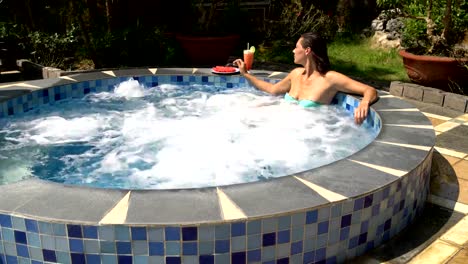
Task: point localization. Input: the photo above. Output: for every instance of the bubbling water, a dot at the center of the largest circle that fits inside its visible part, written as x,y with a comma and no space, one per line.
172,136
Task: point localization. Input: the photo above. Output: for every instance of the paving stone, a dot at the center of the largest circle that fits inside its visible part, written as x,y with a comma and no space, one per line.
460,258
450,141
433,96
396,88
450,159
435,122
413,91
458,234
461,131
461,169
437,110
463,186
456,102
438,252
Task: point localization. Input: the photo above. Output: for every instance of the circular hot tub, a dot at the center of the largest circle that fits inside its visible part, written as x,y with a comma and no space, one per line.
328,214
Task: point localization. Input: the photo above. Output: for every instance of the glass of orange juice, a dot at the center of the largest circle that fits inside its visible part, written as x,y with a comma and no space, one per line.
248,59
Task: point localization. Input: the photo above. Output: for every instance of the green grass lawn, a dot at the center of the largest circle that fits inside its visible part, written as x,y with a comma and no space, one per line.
357,58
350,56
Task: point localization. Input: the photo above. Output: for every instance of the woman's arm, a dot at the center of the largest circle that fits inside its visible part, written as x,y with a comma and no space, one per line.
345,84
280,87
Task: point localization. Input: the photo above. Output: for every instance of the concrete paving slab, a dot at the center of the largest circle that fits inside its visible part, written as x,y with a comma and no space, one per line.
458,234
452,141
438,252
461,169
460,258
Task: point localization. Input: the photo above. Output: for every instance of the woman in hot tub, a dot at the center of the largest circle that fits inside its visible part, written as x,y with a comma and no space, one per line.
314,84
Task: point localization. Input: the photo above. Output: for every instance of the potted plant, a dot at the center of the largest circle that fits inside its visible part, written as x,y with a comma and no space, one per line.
431,39
210,36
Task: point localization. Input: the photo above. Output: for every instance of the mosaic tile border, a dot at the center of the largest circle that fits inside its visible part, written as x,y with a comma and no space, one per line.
322,232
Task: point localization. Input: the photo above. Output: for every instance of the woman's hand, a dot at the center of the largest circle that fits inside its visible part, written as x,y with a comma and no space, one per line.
241,65
360,113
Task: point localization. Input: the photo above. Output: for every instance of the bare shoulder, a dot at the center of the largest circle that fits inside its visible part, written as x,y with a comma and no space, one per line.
335,77
297,71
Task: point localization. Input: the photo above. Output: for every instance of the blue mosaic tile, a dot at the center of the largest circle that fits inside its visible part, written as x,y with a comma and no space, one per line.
109,259
284,222
61,244
22,251
254,241
31,225
298,219
125,259
189,233
284,236
173,260
322,227
387,224
18,223
74,231
238,229
5,221
238,257
92,259
8,235
297,234
156,249
223,231
269,225
11,259
189,248
156,234
123,247
344,233
346,220
49,255
138,233
122,233
206,248
368,200
172,233
173,248
309,257
20,237
296,247
206,259
362,238
107,247
77,258
238,244
76,245
222,246
268,239
90,232
311,217
254,227
353,242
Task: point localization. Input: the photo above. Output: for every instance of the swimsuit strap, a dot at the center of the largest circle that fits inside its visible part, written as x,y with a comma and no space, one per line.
304,102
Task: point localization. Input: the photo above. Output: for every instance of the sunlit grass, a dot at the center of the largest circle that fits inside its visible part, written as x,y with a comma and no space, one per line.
357,58
351,56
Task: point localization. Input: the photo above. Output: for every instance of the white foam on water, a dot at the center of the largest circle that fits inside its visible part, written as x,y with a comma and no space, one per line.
173,138
130,89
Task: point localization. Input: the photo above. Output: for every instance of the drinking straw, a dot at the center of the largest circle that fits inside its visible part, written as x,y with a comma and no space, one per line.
247,45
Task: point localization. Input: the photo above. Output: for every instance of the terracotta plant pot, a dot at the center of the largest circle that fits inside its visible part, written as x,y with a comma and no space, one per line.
208,51
433,71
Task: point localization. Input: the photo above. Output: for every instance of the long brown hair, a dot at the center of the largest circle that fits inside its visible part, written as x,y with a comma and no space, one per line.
319,50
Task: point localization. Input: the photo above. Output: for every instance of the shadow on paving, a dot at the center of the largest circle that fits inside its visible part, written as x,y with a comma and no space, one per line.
431,224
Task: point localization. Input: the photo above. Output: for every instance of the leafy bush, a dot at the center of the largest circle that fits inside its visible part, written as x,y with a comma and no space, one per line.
432,27
297,18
